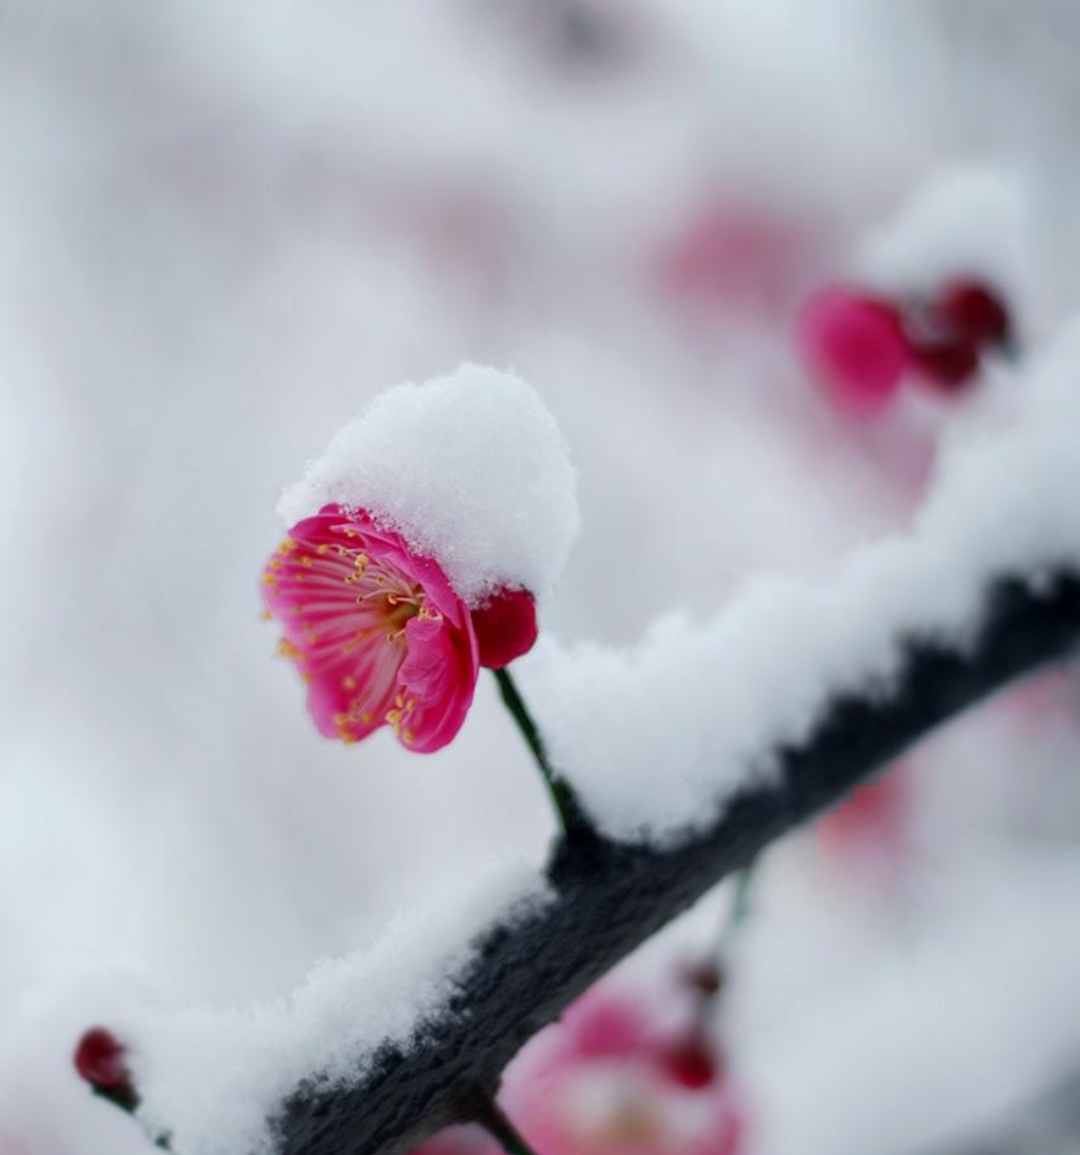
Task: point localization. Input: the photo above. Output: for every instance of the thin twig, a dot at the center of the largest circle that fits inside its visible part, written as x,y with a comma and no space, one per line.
494,1120
740,909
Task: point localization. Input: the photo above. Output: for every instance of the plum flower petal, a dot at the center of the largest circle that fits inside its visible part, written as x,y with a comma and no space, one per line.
438,676
854,346
375,630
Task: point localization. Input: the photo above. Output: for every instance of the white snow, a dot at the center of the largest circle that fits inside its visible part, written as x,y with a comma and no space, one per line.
470,468
306,202
214,1080
655,737
963,219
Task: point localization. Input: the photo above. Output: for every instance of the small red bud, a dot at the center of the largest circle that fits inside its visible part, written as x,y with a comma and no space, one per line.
950,365
505,628
705,978
691,1064
100,1061
974,312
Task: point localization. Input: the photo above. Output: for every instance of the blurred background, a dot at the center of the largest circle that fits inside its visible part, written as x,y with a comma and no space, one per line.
224,227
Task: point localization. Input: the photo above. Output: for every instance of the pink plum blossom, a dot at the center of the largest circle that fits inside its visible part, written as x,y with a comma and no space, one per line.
611,1083
376,631
854,346
733,258
610,1079
867,832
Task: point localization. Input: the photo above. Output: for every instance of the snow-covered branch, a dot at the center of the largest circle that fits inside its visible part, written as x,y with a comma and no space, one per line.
689,755
611,898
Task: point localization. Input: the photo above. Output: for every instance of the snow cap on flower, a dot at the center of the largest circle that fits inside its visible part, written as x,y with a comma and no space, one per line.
470,469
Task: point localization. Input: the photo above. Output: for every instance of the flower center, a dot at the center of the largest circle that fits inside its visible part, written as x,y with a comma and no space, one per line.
349,611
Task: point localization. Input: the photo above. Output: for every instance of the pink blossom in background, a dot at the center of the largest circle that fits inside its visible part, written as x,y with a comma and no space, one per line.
605,1080
471,1140
868,830
10,1145
732,258
376,631
1050,699
854,347
604,1083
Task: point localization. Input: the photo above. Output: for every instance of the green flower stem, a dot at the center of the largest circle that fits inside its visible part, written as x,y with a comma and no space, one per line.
737,916
740,907
574,822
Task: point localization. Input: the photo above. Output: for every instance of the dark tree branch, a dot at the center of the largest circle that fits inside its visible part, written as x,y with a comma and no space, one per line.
610,898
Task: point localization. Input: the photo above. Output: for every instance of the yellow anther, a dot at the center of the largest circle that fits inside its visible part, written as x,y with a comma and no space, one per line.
322,548
269,579
265,616
286,649
409,736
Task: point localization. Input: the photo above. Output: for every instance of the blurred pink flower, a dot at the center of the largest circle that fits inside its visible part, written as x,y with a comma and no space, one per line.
376,631
11,1145
733,259
609,1079
613,1081
867,832
854,345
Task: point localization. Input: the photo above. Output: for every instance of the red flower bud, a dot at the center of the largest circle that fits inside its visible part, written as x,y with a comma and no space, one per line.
691,1064
947,364
100,1061
974,312
505,628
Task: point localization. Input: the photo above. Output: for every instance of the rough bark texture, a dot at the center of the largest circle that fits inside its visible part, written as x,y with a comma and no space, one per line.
610,898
